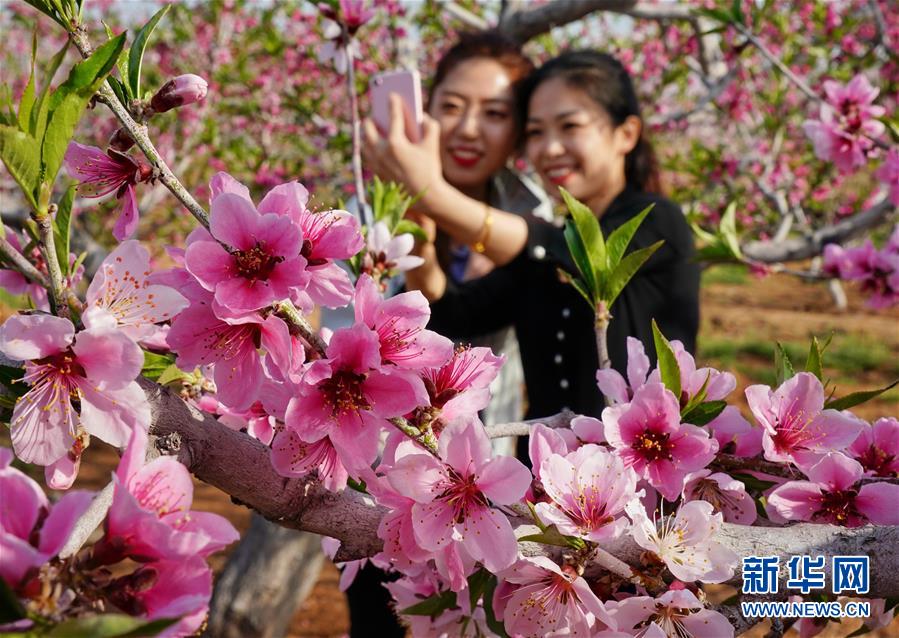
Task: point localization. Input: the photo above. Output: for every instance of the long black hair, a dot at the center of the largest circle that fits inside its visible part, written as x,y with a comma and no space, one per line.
604,80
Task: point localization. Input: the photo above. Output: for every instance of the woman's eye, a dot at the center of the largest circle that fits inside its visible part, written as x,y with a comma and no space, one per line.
497,115
532,133
449,107
570,126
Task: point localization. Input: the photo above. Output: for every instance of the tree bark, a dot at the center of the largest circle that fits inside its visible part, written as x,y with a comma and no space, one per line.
264,582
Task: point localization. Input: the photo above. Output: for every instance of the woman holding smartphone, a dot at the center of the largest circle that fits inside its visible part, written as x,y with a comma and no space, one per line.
582,130
475,122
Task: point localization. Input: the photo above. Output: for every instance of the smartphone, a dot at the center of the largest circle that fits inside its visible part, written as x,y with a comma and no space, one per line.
406,84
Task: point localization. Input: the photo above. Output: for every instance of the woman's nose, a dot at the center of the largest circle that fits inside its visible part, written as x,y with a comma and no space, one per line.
552,146
468,124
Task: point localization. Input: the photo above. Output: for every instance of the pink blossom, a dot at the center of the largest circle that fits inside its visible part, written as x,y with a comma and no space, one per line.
122,288
351,13
339,48
888,174
254,420
612,384
551,601
685,542
349,396
589,489
150,516
262,264
649,437
201,338
31,531
543,443
451,494
102,173
291,456
848,123
588,429
726,494
796,425
735,435
831,495
180,91
674,613
167,589
388,256
877,448
97,367
400,324
460,386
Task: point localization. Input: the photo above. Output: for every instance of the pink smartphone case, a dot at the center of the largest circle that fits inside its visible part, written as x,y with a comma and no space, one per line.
406,84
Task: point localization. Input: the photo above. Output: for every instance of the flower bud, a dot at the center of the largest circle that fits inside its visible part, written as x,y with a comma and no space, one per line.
184,89
121,140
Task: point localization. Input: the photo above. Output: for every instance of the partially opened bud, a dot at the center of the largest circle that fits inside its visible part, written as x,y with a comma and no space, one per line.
184,89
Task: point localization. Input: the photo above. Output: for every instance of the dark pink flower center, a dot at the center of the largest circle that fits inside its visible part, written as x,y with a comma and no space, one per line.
64,364
449,380
256,263
396,341
654,446
838,507
876,460
462,494
344,393
709,491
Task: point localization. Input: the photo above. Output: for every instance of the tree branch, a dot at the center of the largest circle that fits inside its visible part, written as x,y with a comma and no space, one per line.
523,25
523,428
813,243
21,264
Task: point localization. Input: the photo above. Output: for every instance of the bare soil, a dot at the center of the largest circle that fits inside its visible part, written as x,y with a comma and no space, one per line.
775,308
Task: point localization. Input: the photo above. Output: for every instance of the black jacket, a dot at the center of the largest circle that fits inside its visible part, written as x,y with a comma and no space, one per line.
554,324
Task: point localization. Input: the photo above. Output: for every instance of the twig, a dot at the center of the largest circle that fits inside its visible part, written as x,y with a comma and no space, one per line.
732,463
773,59
426,437
139,133
615,565
286,310
89,521
58,296
18,261
523,428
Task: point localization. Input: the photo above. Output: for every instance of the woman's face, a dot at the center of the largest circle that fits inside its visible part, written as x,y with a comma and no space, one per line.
475,108
571,142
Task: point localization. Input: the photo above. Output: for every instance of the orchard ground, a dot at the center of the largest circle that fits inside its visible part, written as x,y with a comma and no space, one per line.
742,317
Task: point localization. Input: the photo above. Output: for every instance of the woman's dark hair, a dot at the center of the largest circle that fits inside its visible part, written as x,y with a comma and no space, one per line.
605,80
483,44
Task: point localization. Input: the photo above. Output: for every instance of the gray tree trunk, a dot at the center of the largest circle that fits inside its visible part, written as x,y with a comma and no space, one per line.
264,582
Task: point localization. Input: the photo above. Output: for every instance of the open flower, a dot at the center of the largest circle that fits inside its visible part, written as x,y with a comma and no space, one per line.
673,614
387,256
726,494
589,489
613,386
797,428
649,437
877,448
460,386
832,495
95,368
122,288
150,516
551,601
685,541
451,494
262,263
291,456
102,173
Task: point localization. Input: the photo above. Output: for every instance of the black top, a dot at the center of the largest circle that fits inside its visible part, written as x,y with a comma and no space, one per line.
554,324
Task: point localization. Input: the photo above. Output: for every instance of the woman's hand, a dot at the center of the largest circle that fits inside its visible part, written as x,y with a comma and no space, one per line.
415,165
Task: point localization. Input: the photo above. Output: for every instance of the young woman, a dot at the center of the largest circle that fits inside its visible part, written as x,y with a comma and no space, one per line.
583,131
474,122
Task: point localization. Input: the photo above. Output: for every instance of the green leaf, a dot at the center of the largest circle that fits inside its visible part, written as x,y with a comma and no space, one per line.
704,413
171,374
38,121
626,270
813,362
717,14
581,260
587,226
109,626
62,229
728,230
156,364
10,607
477,583
410,227
857,398
136,55
120,85
752,483
783,368
26,103
432,606
621,237
21,155
697,398
552,536
580,286
49,8
495,625
69,101
668,366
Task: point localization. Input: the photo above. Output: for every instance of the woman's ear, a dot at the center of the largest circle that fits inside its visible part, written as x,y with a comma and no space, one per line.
627,134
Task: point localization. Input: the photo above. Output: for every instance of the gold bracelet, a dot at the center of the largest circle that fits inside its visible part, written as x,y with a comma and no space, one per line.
480,245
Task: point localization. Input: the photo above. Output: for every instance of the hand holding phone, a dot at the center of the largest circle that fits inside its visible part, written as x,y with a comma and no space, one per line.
406,84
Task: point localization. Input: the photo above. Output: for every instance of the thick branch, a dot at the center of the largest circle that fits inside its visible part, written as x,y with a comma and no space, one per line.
523,428
813,243
523,25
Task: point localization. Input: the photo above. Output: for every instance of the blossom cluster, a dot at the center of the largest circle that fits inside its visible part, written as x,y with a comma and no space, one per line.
877,271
